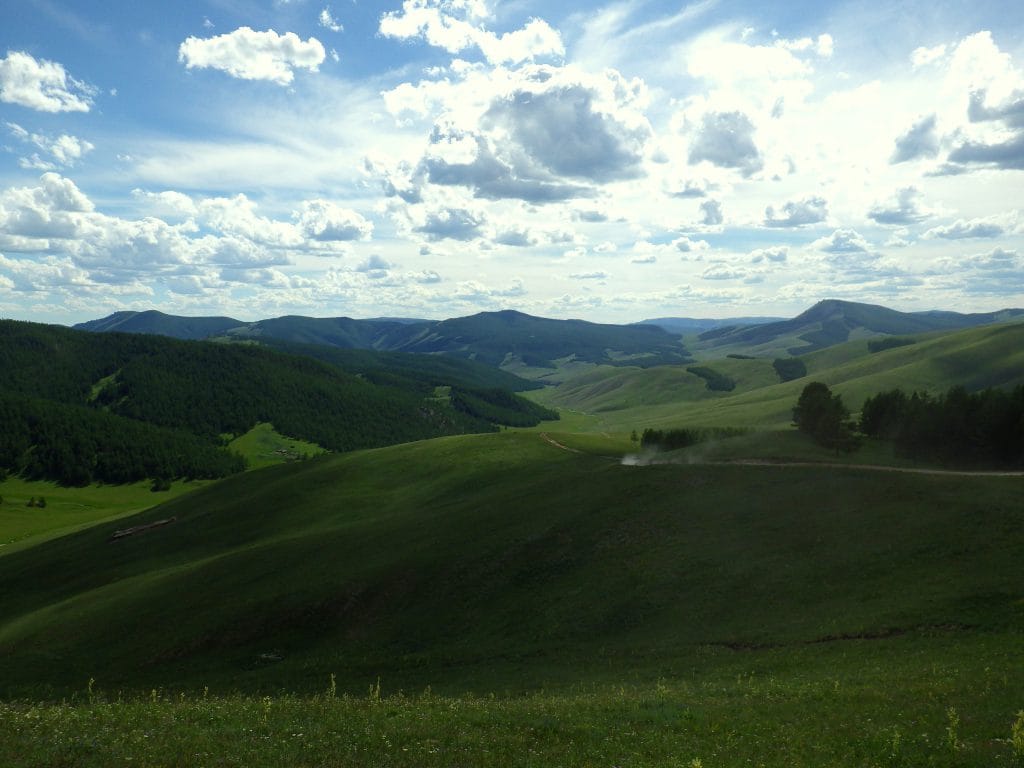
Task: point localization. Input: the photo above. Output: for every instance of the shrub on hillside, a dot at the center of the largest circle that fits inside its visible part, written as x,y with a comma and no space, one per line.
889,342
789,368
713,380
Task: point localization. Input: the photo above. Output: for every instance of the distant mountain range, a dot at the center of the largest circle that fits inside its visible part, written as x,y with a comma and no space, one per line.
832,322
493,338
500,338
687,326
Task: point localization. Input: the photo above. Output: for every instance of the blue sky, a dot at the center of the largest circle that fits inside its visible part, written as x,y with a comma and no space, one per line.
432,159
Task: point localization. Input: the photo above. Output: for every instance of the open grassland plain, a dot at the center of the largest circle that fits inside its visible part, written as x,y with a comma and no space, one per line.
70,509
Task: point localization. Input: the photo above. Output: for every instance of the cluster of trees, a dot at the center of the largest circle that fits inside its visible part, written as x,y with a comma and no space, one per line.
982,428
958,427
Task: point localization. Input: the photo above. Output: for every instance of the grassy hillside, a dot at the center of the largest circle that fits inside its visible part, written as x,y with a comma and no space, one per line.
364,608
495,561
691,325
624,399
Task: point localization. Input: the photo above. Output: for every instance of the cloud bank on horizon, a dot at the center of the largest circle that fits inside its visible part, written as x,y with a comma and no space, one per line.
433,158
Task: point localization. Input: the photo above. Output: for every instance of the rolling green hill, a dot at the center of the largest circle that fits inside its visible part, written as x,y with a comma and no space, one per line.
625,399
709,611
494,560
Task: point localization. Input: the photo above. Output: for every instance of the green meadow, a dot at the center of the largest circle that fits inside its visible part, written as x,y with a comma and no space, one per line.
263,446
70,509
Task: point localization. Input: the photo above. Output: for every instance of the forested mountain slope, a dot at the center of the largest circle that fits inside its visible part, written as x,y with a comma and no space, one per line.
204,391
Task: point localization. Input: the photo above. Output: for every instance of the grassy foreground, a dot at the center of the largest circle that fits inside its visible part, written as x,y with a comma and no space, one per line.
935,702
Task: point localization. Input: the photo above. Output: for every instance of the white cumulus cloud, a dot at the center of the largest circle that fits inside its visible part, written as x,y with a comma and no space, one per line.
251,55
41,85
842,241
904,208
726,139
797,213
541,134
457,25
323,220
962,229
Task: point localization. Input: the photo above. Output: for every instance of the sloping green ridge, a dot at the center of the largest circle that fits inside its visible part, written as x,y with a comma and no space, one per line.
989,356
464,561
832,322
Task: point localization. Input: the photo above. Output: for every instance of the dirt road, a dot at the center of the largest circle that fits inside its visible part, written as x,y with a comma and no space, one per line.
788,464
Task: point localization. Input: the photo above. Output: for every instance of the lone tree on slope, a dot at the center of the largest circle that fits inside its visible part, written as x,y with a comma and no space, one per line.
822,415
